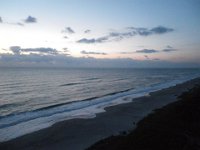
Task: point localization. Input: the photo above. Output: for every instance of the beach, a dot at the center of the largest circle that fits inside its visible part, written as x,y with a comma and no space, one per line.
79,134
172,127
86,74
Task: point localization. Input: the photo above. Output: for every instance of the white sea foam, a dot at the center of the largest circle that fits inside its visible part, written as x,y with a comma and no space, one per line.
24,123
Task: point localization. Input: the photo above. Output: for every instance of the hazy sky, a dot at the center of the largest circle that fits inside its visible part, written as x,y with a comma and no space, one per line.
146,32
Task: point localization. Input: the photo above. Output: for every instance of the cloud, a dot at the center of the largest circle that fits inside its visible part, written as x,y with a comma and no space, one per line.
15,49
38,60
85,40
30,19
147,32
148,58
25,60
169,49
65,49
161,30
68,30
65,37
42,50
93,53
91,41
139,31
168,46
10,23
127,52
19,24
117,36
87,31
147,51
130,32
49,57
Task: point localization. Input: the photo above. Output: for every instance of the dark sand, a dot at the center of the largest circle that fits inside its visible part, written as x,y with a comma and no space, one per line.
172,127
79,134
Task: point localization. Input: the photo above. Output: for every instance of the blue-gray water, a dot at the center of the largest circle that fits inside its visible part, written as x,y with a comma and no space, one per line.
44,96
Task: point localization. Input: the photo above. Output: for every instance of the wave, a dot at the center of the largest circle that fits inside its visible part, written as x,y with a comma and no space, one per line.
78,83
69,84
92,79
88,108
2,125
9,84
8,105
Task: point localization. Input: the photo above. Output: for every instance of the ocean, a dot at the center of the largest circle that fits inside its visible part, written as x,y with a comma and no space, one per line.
36,98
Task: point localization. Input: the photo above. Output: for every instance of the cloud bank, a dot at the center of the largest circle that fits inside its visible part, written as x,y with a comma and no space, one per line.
42,50
49,57
59,60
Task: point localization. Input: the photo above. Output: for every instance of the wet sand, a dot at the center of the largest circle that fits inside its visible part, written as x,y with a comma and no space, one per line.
79,134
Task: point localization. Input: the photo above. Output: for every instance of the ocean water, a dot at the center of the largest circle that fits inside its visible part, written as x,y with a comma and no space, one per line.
36,98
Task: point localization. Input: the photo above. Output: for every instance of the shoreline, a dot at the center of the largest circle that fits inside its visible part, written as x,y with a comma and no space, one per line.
85,132
174,126
34,121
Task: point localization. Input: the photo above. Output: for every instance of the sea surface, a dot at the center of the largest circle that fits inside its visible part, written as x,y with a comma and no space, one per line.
36,98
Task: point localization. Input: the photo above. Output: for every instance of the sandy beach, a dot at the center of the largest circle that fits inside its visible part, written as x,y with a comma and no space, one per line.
79,134
84,74
172,127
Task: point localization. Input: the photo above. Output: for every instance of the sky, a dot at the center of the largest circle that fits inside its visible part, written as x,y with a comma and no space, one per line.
100,33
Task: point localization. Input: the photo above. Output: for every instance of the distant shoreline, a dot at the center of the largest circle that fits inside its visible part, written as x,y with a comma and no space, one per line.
116,119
